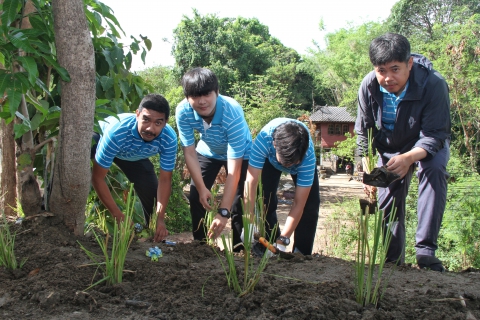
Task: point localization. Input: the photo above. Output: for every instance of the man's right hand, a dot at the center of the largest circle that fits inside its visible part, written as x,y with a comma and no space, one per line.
119,217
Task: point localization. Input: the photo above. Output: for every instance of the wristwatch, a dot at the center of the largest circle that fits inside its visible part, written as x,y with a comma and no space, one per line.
225,213
284,240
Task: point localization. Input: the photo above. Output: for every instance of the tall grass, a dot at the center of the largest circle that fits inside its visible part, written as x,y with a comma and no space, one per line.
7,246
252,268
368,283
112,261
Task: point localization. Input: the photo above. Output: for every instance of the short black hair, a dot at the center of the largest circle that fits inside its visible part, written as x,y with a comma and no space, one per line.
199,82
389,47
291,142
155,102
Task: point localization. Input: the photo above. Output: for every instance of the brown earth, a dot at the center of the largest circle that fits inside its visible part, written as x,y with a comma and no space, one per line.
188,282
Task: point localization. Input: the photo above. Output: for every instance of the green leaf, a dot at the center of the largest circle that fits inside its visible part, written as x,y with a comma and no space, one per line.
20,41
2,59
144,53
33,101
28,63
14,97
148,43
101,102
5,80
43,86
61,71
125,87
20,130
117,55
36,121
22,81
105,111
38,23
10,10
106,82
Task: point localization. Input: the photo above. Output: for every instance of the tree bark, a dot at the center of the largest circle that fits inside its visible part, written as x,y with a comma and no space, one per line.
71,180
8,180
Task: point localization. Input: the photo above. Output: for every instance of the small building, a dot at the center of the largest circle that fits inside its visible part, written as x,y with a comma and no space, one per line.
331,124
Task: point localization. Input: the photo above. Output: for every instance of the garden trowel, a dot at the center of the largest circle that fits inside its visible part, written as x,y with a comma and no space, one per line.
275,250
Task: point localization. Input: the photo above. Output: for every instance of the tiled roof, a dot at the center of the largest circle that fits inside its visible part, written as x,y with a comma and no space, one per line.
331,114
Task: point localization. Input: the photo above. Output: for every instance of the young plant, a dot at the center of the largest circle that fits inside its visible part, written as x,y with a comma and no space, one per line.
210,214
252,270
369,163
111,263
366,291
7,245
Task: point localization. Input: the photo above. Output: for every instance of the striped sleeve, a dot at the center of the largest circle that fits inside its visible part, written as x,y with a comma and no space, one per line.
236,130
107,149
184,118
168,149
259,152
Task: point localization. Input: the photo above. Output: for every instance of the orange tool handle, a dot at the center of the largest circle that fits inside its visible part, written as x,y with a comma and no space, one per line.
267,244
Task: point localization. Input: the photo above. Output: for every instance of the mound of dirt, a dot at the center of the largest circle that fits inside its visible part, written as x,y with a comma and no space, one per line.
188,282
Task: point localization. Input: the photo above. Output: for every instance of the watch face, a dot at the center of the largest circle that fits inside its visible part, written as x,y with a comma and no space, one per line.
224,213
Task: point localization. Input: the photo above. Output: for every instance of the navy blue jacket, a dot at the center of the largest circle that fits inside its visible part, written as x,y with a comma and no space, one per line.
423,116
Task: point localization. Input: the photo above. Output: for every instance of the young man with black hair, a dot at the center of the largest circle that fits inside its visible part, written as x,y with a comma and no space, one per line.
285,145
406,104
128,141
225,140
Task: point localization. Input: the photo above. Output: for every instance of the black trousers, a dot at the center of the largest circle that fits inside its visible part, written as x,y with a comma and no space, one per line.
210,168
142,174
304,235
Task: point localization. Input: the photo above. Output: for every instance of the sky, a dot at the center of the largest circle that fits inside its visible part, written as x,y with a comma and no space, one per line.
294,23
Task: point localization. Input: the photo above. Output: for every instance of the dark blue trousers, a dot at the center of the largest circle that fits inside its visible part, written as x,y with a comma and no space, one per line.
432,196
142,174
304,235
210,168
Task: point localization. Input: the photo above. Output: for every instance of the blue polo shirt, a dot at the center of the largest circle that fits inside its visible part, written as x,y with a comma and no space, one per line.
226,137
263,149
120,139
390,104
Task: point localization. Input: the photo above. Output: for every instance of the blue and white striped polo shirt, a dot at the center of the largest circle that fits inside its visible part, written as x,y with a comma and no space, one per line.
390,104
263,149
226,137
121,140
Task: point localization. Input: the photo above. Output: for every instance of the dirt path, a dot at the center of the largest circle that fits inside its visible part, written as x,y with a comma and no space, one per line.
333,189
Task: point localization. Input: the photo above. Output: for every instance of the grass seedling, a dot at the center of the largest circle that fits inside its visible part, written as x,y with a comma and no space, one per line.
210,214
111,263
7,244
367,254
252,270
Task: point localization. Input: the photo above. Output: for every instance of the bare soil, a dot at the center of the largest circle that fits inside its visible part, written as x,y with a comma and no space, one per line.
188,282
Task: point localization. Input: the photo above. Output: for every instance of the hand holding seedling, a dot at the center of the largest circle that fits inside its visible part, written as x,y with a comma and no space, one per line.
217,226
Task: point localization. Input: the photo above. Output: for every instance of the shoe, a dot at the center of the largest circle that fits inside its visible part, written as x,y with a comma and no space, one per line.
429,262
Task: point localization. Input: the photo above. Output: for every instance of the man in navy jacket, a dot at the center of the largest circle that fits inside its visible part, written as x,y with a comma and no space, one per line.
406,104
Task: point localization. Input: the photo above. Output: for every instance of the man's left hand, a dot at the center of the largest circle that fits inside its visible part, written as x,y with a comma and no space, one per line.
217,226
161,232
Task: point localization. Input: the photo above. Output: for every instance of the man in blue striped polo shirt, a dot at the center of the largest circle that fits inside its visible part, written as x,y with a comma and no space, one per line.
129,141
225,140
285,145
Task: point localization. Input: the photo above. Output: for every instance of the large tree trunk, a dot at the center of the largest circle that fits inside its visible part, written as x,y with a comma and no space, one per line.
8,180
71,180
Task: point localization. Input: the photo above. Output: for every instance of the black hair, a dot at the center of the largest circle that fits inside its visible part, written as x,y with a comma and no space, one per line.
155,102
389,47
199,82
291,142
